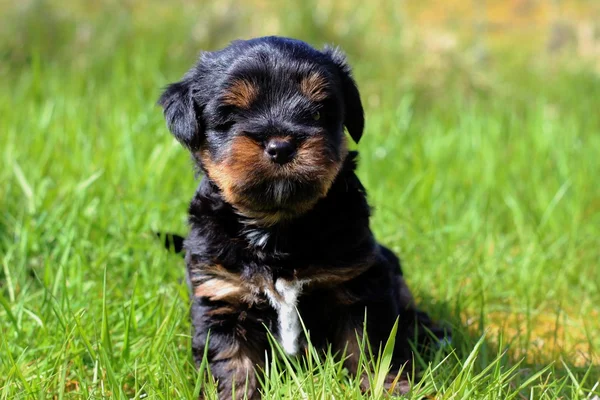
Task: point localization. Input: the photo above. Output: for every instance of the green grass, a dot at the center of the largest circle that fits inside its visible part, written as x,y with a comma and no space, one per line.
484,177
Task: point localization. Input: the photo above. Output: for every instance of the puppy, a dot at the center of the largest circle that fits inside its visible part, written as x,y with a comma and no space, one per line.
279,225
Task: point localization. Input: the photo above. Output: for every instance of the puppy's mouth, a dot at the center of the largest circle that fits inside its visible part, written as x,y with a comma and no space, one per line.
268,192
268,202
285,195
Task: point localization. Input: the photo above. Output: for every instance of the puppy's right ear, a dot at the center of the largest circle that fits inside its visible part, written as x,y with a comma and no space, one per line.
180,113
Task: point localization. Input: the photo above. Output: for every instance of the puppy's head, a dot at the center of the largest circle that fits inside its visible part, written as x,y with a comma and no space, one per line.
265,119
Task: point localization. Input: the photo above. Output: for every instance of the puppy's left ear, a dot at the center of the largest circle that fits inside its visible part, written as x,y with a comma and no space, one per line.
181,113
354,119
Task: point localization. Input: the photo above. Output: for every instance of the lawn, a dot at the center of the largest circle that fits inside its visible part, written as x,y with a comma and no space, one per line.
481,160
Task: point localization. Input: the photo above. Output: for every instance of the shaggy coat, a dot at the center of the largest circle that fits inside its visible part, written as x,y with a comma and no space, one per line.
279,226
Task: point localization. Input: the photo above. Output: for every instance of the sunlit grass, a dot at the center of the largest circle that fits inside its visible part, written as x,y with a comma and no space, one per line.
483,177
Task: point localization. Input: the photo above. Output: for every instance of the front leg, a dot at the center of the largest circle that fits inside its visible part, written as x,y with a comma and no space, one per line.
225,319
372,293
380,318
231,361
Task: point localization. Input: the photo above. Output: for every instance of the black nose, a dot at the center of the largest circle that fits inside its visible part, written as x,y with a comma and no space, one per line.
280,151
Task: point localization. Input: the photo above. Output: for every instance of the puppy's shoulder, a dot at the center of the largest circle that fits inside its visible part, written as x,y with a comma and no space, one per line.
347,195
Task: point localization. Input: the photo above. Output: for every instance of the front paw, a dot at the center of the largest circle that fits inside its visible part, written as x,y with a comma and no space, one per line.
236,379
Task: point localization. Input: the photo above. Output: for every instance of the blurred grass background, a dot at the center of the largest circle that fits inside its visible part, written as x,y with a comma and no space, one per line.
480,157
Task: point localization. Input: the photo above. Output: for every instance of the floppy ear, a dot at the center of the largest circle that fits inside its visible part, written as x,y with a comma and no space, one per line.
180,113
354,119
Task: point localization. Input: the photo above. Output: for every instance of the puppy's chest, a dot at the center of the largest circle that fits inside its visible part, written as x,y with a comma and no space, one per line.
284,296
283,278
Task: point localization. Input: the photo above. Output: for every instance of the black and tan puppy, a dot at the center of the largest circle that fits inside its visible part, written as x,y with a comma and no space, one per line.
279,225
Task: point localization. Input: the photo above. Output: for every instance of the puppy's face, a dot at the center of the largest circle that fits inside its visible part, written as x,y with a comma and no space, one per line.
265,120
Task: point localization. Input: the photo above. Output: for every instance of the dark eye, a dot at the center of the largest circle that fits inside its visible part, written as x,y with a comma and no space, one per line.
316,116
224,126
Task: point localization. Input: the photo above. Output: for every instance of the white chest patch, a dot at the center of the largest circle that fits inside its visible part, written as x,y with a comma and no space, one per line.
284,300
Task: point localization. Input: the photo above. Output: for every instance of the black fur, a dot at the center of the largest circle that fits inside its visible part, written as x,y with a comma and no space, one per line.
192,106
234,257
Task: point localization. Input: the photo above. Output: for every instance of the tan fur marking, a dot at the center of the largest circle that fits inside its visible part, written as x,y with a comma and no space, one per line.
242,363
217,173
216,271
240,367
313,153
222,311
245,157
243,374
241,94
324,276
333,276
314,87
225,353
218,284
314,159
245,165
217,289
